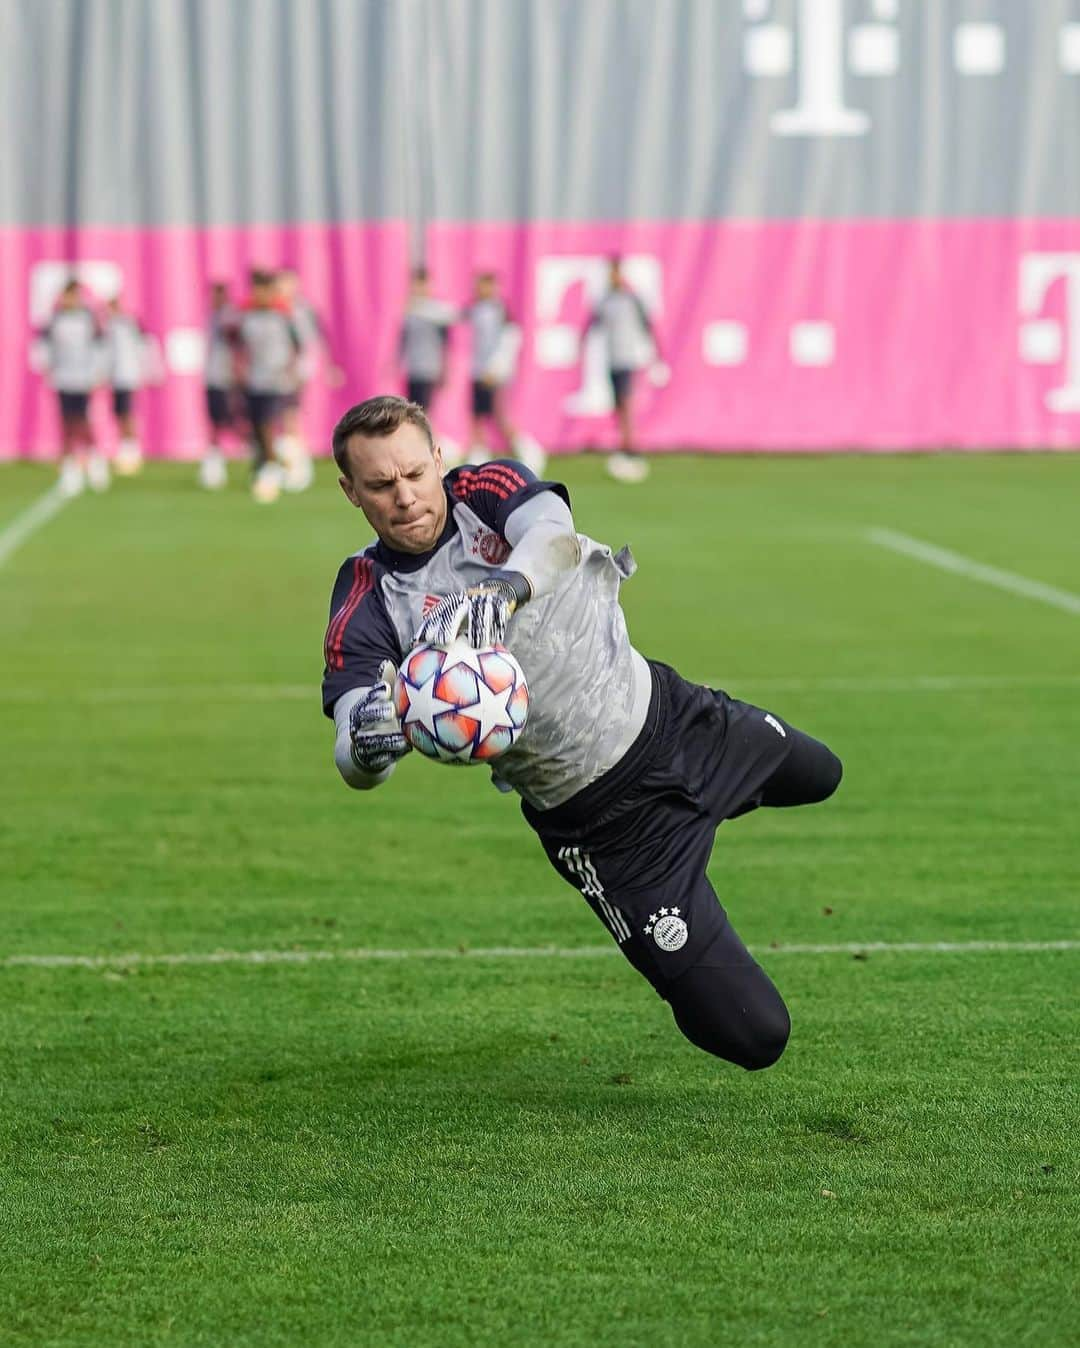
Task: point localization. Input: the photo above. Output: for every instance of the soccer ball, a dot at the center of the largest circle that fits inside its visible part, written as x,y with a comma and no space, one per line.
460,705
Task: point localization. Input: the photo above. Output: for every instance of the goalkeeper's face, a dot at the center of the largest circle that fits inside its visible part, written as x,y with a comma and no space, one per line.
396,480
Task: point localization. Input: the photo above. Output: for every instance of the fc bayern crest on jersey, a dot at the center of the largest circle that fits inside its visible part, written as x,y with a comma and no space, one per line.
668,929
489,546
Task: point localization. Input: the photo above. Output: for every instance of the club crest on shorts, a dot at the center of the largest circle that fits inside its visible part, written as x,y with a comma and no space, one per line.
667,929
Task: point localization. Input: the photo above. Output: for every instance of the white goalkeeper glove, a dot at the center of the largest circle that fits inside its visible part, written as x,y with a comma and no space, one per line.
484,610
375,736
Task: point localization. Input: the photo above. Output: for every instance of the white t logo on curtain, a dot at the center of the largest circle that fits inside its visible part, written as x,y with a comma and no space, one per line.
1044,341
770,48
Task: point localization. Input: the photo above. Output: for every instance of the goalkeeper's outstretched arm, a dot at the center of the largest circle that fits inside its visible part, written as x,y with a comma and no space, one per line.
544,546
369,739
543,541
352,773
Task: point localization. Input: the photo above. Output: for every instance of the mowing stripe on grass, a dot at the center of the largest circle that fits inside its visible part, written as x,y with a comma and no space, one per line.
29,521
302,692
186,958
945,560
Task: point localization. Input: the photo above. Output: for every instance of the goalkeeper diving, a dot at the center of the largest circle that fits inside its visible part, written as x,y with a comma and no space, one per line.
625,770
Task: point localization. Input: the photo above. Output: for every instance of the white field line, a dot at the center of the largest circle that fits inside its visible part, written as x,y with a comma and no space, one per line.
945,560
134,960
29,521
303,692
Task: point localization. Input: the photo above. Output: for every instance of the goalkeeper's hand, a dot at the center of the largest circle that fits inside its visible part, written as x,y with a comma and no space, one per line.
375,736
484,610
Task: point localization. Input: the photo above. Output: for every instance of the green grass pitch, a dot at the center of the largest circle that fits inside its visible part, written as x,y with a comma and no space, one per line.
523,1150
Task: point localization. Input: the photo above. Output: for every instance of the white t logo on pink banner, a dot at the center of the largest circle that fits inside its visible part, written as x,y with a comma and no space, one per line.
1044,341
47,279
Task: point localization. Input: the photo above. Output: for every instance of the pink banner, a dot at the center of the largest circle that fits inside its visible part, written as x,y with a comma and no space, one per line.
355,276
797,335
780,335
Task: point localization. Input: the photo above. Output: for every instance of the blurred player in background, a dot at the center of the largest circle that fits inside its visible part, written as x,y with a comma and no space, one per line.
422,349
292,449
71,345
496,341
268,347
630,346
425,334
219,375
625,770
125,346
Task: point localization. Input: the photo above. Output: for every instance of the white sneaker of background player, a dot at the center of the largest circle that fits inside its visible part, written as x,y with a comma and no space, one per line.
267,485
299,472
287,449
72,479
627,467
128,458
97,472
213,474
292,453
530,452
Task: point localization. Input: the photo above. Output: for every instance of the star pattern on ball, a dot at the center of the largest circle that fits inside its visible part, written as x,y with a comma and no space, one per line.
424,706
461,653
490,710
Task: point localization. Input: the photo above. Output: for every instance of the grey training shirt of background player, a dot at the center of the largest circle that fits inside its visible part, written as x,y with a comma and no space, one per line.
124,345
423,338
622,318
488,318
306,323
75,354
220,351
270,343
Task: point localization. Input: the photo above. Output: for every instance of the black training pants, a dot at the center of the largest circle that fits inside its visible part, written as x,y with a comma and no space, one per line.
726,1003
637,844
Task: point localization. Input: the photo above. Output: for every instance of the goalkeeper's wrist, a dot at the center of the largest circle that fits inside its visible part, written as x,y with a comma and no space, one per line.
518,583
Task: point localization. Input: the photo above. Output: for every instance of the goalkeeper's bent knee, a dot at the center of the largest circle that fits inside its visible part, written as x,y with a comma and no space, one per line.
733,1012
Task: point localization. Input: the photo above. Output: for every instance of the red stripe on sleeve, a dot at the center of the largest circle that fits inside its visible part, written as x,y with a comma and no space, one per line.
335,633
507,476
464,489
490,486
485,479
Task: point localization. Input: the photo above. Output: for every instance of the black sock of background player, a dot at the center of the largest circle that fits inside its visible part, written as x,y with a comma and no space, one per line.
263,454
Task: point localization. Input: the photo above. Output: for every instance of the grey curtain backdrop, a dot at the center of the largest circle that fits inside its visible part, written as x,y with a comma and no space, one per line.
212,112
